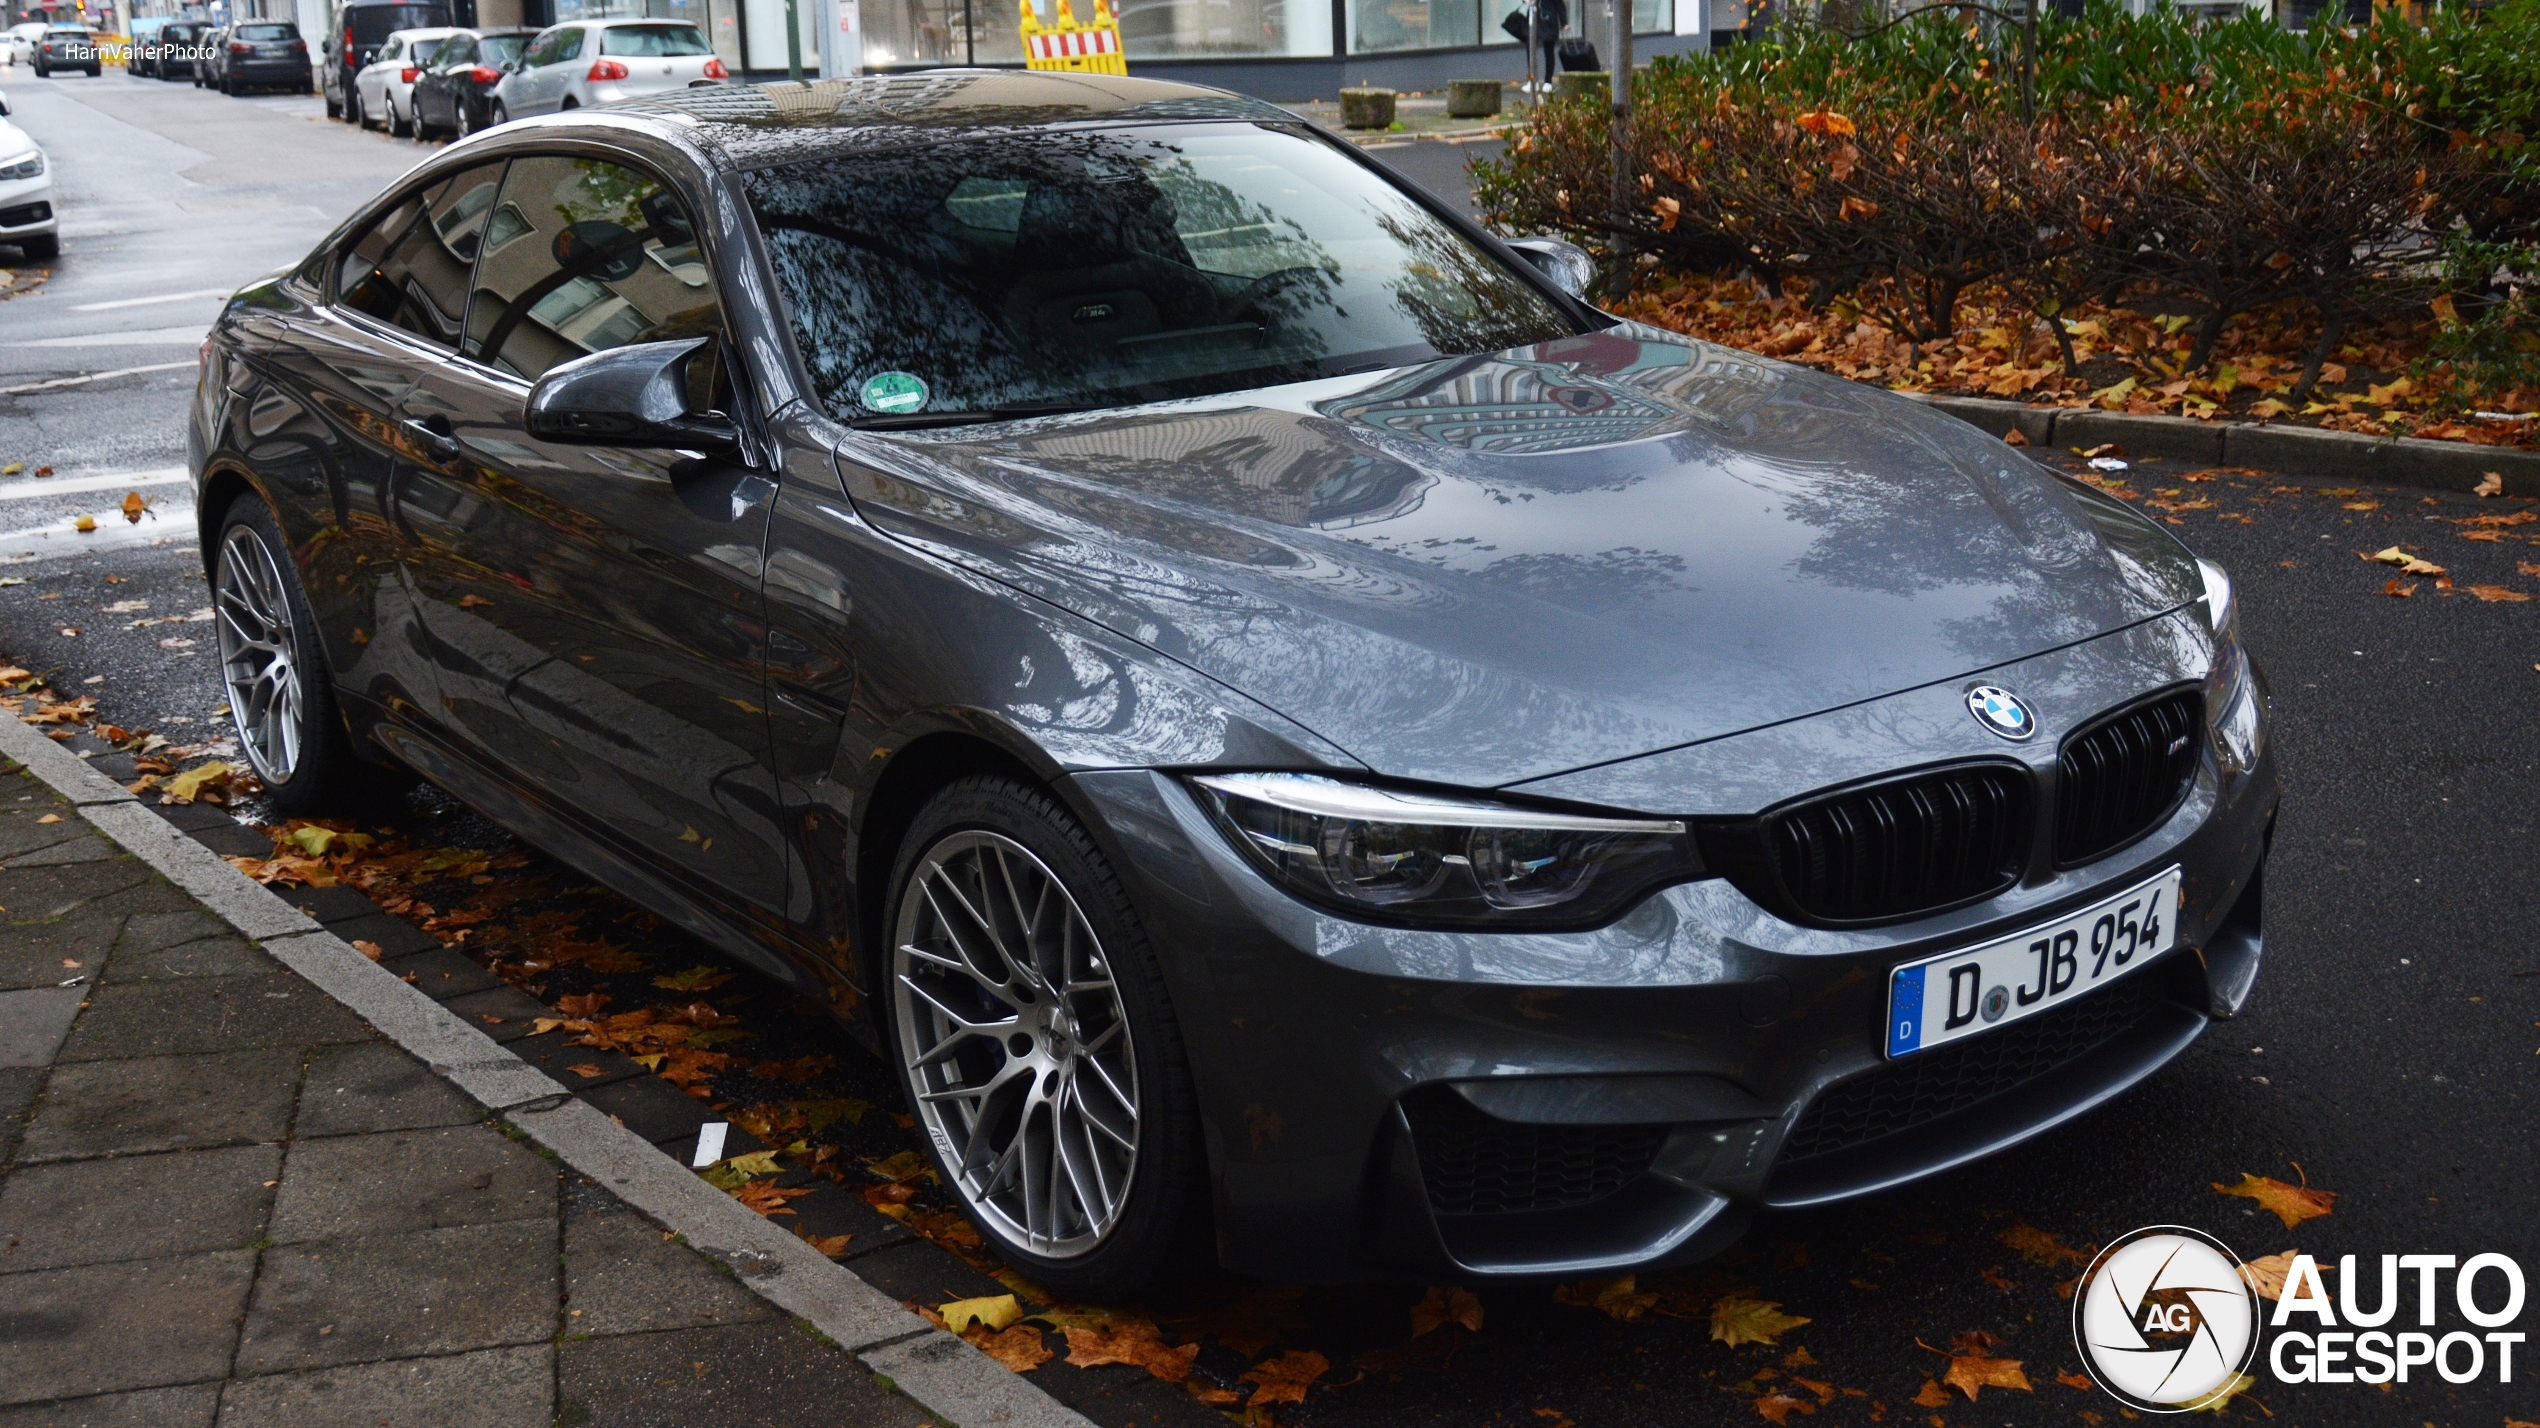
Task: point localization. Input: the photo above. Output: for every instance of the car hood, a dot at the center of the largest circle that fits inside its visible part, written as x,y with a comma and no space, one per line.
1488,569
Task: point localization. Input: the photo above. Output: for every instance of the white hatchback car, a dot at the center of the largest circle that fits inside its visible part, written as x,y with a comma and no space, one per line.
23,39
27,217
587,62
384,89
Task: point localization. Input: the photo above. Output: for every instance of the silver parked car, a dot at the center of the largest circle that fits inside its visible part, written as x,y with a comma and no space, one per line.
383,90
601,61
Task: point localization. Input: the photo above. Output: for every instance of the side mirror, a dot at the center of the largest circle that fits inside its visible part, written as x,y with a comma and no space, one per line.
1566,264
629,396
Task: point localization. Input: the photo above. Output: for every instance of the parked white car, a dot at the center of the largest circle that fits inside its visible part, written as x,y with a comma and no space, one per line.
23,39
26,192
587,62
383,90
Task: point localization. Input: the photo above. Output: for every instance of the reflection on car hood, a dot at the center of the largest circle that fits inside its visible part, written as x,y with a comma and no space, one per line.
1488,569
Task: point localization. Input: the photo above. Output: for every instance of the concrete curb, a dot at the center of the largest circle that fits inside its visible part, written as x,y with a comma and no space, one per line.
2344,455
940,1373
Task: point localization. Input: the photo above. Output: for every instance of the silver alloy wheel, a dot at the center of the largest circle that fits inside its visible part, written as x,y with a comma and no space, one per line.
259,652
1016,1043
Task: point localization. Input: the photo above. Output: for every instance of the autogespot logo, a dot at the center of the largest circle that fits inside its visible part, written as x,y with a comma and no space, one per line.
2165,1319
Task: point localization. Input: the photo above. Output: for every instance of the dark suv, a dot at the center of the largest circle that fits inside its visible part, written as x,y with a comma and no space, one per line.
179,48
66,47
360,27
264,54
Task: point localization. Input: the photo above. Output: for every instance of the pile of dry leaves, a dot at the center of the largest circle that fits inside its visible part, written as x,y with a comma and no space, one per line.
2128,361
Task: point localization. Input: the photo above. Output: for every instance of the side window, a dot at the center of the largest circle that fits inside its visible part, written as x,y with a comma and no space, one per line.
569,46
392,49
582,255
542,51
457,49
411,268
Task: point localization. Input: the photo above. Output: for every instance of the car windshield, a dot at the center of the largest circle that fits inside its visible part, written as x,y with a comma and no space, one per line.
1071,269
652,40
267,33
499,49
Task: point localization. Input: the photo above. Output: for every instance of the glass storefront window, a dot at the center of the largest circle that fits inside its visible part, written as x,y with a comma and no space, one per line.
1184,29
1377,26
1647,19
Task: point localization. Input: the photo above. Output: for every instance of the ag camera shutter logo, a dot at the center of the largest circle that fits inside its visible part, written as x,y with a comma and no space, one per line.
2165,1320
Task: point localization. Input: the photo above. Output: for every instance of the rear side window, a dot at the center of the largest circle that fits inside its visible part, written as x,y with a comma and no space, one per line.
500,49
411,268
662,40
582,255
373,23
454,50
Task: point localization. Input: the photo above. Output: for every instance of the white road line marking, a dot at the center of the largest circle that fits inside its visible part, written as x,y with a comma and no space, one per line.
146,301
46,486
93,377
145,337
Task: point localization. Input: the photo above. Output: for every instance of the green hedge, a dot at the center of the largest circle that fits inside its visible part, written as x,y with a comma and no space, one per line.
2232,164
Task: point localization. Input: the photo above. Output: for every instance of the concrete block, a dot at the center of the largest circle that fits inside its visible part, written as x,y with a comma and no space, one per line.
373,1086
57,1318
126,1107
491,1388
34,1022
397,1296
626,1279
205,1014
349,1186
2170,438
770,1374
2302,451
135,1206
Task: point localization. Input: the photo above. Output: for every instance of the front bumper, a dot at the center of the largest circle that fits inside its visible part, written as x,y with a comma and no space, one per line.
288,72
1365,1090
26,208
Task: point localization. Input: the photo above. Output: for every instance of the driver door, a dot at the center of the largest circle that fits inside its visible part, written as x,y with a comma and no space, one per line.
596,609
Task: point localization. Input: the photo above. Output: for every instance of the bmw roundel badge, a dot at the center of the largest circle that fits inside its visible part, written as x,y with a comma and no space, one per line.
2003,712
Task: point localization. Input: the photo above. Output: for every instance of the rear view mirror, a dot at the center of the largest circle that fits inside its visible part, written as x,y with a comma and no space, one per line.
629,396
1566,264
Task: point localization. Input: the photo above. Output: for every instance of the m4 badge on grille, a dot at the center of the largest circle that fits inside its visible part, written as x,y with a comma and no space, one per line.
2003,712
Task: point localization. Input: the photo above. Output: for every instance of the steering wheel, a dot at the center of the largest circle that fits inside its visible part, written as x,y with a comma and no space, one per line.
1253,301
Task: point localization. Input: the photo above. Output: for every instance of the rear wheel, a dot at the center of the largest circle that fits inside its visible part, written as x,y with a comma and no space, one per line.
281,693
502,115
459,111
400,126
46,247
356,113
1038,1047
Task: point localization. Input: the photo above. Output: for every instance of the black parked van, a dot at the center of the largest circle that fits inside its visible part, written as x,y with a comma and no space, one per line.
361,26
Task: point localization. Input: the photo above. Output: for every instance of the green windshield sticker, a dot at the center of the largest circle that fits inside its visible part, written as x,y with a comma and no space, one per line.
894,392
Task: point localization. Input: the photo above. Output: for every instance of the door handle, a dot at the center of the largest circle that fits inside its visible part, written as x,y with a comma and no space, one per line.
438,443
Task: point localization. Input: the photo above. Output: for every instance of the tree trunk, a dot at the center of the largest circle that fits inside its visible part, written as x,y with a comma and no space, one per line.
2208,333
2332,327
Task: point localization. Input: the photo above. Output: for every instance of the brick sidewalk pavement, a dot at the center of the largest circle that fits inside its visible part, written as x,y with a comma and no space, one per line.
225,1199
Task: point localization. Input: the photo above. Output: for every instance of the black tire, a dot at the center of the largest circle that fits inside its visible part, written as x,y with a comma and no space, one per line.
400,126
1157,1231
41,249
321,771
458,112
356,113
500,116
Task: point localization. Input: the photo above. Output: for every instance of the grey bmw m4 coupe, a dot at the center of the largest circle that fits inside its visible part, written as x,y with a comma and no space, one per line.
1303,743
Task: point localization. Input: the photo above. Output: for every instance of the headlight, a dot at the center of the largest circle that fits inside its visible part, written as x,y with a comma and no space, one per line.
1427,858
31,166
2232,712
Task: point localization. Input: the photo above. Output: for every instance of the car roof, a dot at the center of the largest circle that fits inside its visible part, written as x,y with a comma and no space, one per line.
618,22
755,125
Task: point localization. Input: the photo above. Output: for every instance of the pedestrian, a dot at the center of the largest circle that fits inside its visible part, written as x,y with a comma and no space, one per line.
1549,17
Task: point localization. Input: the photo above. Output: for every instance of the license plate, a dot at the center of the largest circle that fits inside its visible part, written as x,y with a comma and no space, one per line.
1965,993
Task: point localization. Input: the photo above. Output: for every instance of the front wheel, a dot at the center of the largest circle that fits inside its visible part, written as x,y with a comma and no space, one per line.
1038,1046
281,695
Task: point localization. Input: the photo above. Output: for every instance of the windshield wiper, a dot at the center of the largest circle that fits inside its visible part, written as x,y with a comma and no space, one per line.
905,421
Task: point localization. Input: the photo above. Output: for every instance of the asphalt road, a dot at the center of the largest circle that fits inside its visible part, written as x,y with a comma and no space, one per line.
2388,1052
